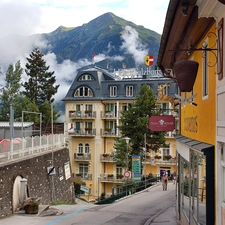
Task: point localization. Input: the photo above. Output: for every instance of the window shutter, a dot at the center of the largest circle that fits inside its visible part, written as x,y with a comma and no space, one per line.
220,50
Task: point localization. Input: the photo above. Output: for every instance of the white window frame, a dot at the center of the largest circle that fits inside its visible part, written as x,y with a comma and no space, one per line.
113,91
129,91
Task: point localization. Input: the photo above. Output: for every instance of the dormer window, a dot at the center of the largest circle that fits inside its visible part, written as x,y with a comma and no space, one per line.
113,91
86,77
129,91
83,92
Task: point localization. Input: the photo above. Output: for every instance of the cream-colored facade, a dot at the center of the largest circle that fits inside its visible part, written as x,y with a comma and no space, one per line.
93,107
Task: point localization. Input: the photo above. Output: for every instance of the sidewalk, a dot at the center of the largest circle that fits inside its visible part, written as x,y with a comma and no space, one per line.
166,216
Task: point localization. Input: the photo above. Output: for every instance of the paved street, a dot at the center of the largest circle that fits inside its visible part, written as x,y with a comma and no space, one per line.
140,209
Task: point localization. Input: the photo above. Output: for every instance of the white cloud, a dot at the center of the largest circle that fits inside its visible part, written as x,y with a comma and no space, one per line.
28,17
132,45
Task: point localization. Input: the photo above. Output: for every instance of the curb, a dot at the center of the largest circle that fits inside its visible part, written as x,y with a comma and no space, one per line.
148,222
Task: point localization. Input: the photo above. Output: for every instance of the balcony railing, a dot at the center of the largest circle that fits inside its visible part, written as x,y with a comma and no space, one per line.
110,115
82,156
83,176
110,132
87,114
159,161
105,157
114,178
83,132
25,147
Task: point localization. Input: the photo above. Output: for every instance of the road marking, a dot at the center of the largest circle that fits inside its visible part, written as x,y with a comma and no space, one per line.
66,216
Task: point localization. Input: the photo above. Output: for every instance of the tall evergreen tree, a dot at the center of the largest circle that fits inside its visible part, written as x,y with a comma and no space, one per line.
135,126
40,87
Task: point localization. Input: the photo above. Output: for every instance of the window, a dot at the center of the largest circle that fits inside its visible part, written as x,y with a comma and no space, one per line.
83,92
129,91
113,91
166,151
205,71
83,169
220,50
86,148
119,172
80,148
86,77
126,106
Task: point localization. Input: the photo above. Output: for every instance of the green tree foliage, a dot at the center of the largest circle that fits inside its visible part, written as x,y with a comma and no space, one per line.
11,95
40,86
135,126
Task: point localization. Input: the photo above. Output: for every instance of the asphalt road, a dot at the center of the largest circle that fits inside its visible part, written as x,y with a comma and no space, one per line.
132,210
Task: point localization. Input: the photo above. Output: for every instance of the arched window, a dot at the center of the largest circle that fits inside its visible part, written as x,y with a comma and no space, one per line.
83,92
86,77
87,148
80,148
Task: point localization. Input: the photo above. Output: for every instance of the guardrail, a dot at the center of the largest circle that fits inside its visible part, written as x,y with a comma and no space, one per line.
23,147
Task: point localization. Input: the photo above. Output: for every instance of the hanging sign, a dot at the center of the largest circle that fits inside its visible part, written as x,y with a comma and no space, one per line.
149,60
161,123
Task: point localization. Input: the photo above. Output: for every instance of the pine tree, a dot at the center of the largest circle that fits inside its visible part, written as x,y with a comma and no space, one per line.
40,87
135,126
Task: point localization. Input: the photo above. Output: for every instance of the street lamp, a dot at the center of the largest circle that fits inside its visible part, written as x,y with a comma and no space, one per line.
145,157
127,139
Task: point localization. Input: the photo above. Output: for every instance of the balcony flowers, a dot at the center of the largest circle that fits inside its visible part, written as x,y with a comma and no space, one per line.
157,157
167,157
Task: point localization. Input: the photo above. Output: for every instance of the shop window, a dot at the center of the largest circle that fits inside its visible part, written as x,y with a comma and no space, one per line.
193,187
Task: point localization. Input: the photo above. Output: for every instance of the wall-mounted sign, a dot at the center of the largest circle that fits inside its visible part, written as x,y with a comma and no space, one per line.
161,123
67,170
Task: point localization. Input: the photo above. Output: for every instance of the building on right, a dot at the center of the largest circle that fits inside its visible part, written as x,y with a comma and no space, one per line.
191,54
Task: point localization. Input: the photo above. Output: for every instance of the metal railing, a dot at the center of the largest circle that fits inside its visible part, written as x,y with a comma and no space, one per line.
23,147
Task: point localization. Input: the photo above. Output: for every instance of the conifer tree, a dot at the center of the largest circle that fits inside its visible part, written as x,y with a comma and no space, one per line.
40,86
135,126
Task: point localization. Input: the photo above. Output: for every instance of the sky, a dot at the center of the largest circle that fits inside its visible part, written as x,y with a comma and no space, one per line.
29,17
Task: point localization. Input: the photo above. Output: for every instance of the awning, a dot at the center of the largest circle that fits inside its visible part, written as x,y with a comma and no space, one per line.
194,144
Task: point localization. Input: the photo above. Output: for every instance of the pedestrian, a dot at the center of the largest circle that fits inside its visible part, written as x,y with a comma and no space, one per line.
164,182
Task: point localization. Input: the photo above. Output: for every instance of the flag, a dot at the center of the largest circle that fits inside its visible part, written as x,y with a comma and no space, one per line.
149,60
93,58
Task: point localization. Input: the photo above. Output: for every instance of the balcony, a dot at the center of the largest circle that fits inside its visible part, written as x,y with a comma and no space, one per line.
111,178
110,115
82,156
109,133
164,161
87,114
83,176
105,157
83,132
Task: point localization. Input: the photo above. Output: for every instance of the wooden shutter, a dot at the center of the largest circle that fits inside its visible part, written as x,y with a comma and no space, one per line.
220,50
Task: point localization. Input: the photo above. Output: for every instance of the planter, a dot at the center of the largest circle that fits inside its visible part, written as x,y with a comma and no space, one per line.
31,209
185,72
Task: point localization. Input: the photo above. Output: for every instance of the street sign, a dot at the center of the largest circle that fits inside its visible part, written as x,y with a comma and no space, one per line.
126,174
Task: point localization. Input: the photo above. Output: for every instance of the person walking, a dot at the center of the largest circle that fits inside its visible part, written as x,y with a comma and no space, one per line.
164,182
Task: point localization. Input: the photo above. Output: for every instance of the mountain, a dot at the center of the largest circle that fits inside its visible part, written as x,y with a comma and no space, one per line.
100,36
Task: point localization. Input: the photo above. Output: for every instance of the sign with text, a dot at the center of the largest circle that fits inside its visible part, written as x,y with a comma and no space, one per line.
136,168
161,123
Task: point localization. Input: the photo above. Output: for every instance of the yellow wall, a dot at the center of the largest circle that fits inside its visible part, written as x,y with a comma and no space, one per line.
198,122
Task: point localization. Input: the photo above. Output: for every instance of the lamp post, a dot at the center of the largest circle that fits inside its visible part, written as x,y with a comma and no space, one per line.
127,139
